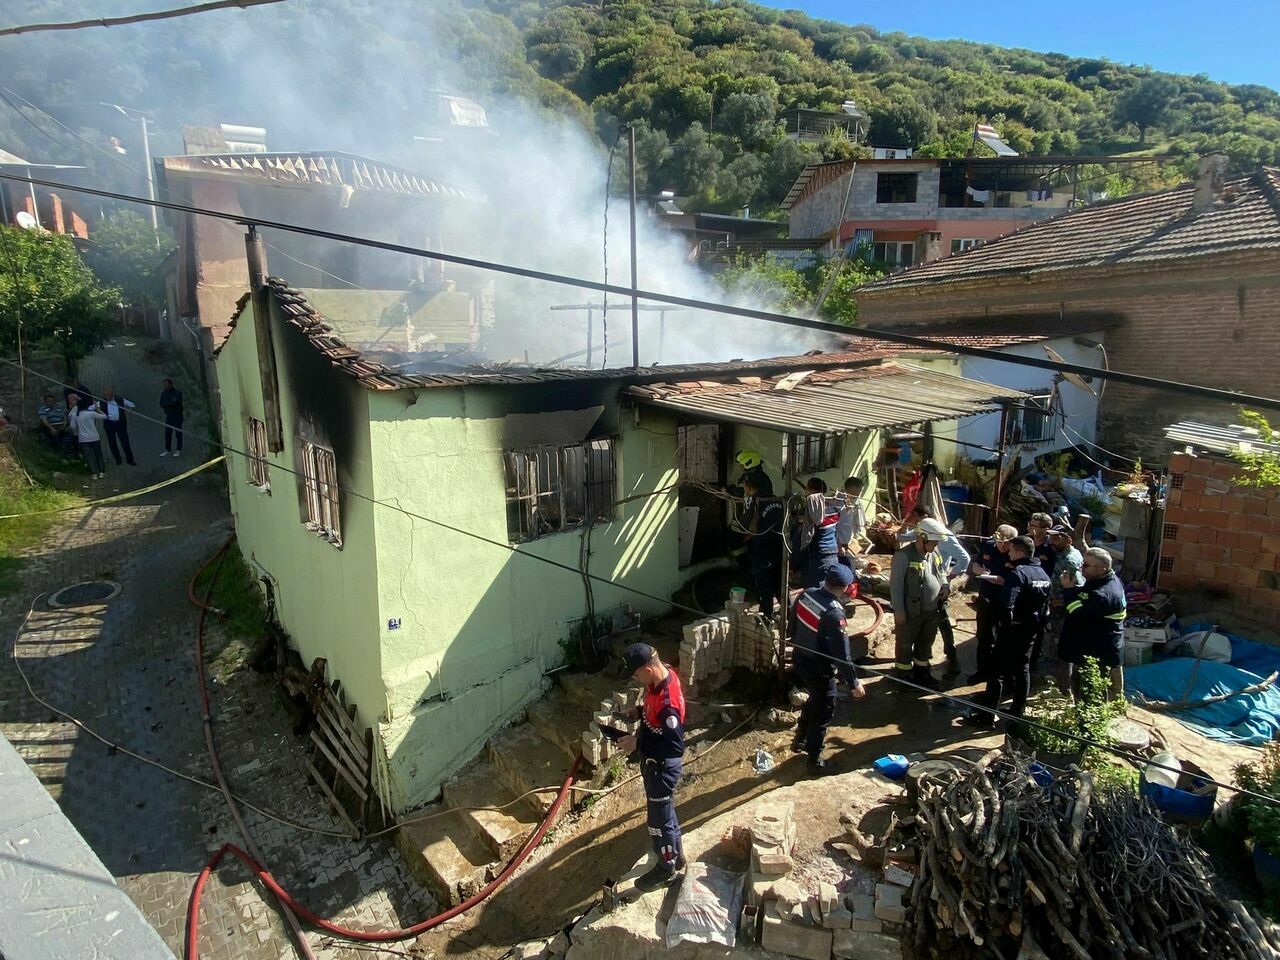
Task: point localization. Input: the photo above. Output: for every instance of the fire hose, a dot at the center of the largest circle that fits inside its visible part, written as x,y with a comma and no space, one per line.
290,907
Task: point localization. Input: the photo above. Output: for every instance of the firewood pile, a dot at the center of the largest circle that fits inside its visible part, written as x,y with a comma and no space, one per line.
1008,867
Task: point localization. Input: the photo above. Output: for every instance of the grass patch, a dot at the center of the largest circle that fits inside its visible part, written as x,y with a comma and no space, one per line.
235,592
26,486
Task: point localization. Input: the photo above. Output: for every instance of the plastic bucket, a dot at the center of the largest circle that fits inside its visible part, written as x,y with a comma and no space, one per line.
1190,802
954,495
737,594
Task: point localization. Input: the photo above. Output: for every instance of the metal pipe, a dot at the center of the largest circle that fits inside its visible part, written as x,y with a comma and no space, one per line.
151,179
635,283
998,495
784,594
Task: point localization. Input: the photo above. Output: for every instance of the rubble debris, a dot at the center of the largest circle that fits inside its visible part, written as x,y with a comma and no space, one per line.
773,838
783,935
1011,867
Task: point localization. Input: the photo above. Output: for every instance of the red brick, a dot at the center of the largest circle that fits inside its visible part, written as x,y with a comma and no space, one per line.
1242,578
1262,597
1241,521
1273,507
1191,484
1270,542
1179,462
1249,540
1204,569
1223,470
1254,507
1229,539
1212,501
1174,500
1268,561
1245,558
1190,499
1213,519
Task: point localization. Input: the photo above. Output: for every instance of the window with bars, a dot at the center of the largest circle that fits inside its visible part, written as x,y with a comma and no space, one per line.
318,476
817,451
1034,420
256,442
550,489
699,453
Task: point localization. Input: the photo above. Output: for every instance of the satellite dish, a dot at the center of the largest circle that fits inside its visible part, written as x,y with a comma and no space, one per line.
1074,379
26,221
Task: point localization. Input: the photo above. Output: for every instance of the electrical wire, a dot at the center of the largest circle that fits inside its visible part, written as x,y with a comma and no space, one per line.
657,373
608,187
134,18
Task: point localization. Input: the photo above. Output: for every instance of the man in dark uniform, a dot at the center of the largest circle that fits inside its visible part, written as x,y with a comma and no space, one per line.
661,744
821,655
992,561
764,543
1039,528
1093,621
1023,608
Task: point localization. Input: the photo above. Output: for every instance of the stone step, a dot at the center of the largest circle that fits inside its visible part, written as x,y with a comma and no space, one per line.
445,853
560,720
501,831
526,761
586,690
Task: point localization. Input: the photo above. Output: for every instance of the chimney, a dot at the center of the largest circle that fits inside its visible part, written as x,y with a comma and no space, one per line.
1209,174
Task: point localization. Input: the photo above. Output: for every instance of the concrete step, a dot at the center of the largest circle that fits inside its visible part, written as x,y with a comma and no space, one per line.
501,831
445,853
560,719
525,761
584,691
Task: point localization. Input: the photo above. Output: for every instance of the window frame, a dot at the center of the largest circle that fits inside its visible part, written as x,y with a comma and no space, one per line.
899,246
318,477
894,184
817,452
961,244
258,467
554,489
1043,409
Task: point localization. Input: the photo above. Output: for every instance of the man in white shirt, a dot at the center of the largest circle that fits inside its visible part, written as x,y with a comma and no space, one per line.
117,424
84,421
853,518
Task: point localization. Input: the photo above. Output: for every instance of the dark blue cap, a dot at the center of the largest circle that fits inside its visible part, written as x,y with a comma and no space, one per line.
839,573
636,656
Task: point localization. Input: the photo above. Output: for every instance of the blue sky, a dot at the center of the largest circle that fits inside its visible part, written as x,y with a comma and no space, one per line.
1235,42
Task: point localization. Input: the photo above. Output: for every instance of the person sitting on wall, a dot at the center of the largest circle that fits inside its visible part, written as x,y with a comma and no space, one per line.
660,741
53,423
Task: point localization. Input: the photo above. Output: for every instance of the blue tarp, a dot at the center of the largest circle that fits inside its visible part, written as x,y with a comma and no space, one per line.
1253,719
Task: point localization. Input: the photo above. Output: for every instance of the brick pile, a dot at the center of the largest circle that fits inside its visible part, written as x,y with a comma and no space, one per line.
1220,539
785,917
714,646
595,747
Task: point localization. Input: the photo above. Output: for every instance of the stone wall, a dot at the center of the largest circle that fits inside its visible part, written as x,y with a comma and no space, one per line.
713,647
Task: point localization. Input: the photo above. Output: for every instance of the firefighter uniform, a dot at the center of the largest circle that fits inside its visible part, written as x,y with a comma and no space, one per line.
1093,621
821,656
917,587
1023,610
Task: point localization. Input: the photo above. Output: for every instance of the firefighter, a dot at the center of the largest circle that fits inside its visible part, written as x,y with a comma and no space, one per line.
1093,621
764,541
918,592
822,656
660,740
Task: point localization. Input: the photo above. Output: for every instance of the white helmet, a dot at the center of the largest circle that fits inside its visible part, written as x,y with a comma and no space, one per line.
932,529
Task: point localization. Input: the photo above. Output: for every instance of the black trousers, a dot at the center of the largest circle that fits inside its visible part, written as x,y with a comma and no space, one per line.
984,633
172,428
766,581
118,439
817,713
947,630
660,778
1011,669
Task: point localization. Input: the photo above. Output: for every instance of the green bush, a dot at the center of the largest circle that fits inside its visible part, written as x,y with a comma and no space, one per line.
1261,818
1090,715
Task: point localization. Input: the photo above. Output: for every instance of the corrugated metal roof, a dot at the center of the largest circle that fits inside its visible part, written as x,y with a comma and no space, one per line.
1218,439
833,401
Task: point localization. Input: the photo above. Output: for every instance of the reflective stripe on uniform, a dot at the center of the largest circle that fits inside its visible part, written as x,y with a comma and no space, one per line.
1074,605
917,566
924,663
902,666
1116,616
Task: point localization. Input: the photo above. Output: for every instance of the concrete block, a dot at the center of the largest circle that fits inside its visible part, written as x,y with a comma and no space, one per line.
828,897
788,893
794,939
863,908
839,917
889,905
770,862
898,875
858,945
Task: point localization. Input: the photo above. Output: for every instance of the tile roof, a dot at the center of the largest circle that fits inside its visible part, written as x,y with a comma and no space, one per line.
1145,229
324,169
883,394
366,365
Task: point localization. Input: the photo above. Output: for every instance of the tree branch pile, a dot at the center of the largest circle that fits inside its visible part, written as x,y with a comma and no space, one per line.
1009,868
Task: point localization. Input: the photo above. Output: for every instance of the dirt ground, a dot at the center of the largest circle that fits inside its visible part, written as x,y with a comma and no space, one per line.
559,885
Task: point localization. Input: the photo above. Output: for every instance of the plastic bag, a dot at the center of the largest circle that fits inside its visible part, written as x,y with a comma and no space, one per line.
1216,648
707,907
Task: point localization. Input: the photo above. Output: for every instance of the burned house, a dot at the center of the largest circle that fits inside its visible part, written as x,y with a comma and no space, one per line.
400,507
442,309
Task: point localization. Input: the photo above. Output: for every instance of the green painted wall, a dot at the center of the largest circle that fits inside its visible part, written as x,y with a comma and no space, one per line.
857,457
480,626
326,597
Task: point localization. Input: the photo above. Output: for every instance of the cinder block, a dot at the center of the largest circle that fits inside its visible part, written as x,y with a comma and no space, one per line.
859,945
889,905
863,908
795,939
828,897
900,876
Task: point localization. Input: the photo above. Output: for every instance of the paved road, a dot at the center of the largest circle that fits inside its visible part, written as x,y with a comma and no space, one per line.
125,668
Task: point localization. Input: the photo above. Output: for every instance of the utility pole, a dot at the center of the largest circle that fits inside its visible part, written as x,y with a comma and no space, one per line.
635,285
151,178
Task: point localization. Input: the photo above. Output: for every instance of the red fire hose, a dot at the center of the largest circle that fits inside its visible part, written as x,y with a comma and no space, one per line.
366,936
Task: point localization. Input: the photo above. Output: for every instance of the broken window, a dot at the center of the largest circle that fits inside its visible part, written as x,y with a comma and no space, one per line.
256,441
896,187
698,445
554,488
816,452
319,479
1034,420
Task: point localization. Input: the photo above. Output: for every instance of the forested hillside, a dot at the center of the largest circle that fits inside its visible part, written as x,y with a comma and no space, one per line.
706,81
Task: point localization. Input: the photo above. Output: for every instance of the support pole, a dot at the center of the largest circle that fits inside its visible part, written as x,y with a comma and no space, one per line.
998,496
784,593
591,333
151,179
635,284
257,257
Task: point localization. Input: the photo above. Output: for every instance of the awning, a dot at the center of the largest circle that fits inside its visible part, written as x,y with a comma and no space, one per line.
832,401
1230,439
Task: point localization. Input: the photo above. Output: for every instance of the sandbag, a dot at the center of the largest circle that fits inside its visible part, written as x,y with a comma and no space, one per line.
707,907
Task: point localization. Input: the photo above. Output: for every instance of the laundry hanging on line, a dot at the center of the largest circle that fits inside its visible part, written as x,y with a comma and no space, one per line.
979,195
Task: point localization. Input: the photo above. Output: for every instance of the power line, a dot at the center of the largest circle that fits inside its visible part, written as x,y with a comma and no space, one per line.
941,346
890,675
134,18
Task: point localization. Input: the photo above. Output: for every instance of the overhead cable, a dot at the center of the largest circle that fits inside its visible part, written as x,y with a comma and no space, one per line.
693,303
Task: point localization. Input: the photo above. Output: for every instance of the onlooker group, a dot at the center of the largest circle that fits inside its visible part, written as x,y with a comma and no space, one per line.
83,418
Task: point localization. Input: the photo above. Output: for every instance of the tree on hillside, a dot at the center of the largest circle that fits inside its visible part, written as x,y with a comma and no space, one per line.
783,288
1146,103
902,121
46,289
125,255
749,118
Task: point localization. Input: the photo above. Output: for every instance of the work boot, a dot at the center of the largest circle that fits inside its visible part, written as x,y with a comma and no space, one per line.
977,678
662,875
953,665
924,676
978,718
797,745
817,767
